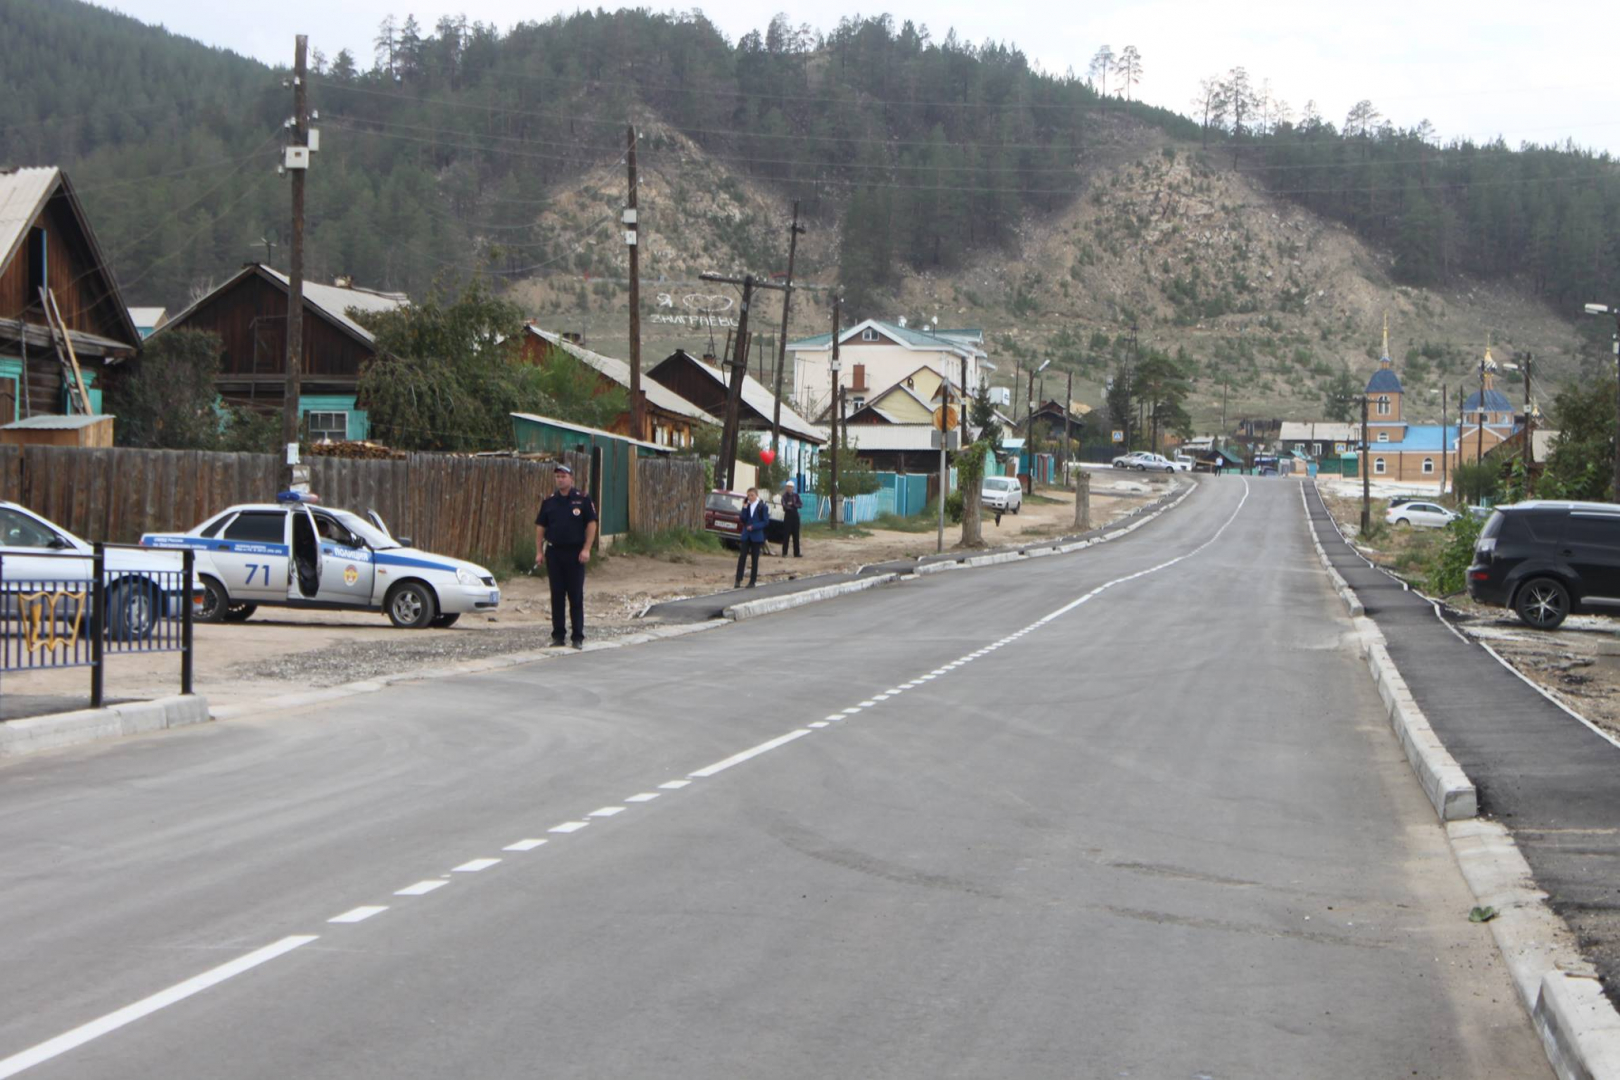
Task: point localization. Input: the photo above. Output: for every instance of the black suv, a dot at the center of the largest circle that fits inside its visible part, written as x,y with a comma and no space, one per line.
1548,559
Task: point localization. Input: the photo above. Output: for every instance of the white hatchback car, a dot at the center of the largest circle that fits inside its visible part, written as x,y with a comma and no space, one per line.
142,586
294,554
1003,494
1425,514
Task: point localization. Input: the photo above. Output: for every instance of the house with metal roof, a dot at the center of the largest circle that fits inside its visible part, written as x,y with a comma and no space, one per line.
148,319
46,244
249,315
668,419
874,355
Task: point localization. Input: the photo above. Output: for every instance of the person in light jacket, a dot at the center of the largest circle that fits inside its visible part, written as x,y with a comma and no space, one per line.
753,518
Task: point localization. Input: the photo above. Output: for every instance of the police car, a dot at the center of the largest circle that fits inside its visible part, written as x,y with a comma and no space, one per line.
292,553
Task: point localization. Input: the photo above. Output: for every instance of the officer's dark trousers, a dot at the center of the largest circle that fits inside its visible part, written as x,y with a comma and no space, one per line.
567,576
749,547
790,523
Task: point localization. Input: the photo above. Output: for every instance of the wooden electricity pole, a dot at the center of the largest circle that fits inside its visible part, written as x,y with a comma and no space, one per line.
1366,478
1529,432
1445,440
837,397
1068,440
739,371
295,271
781,343
638,419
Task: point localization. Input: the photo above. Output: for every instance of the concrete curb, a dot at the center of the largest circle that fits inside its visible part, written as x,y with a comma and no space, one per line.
36,733
1579,1027
752,609
1450,792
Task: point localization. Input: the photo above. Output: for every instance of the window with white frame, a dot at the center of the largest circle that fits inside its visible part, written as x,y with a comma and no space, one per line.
1383,436
1378,465
869,334
1428,464
328,425
1383,406
1316,449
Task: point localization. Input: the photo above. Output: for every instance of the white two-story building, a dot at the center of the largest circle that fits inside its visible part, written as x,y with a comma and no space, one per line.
875,355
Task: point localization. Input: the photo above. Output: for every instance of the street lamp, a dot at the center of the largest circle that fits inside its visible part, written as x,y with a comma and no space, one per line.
1605,309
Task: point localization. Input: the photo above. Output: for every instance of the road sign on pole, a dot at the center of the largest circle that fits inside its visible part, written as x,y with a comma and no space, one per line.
945,418
1119,436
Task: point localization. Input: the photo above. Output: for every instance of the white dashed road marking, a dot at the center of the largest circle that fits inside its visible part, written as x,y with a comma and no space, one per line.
523,845
674,785
422,888
473,866
359,914
645,796
568,827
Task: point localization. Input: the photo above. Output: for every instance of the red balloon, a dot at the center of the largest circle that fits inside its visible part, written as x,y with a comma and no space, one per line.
767,456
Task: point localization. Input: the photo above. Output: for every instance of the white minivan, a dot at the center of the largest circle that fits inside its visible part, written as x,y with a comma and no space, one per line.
1003,494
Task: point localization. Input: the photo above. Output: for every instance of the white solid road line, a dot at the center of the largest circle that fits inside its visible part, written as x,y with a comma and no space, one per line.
674,785
523,845
69,1040
645,796
568,827
359,914
422,888
738,759
472,866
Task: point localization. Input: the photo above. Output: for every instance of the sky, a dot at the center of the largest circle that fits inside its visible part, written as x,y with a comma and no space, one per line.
1528,72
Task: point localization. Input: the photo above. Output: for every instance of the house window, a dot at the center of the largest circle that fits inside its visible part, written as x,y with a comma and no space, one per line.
1383,406
328,425
869,334
1378,465
1428,464
1383,436
1316,449
857,403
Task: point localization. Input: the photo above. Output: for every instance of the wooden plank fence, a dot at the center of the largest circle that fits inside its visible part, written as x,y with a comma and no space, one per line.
479,508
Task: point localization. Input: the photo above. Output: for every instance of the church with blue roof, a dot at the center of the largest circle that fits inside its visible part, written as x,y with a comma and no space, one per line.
1405,452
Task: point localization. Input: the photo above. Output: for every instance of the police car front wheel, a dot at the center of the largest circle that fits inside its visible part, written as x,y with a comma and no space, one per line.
215,602
412,606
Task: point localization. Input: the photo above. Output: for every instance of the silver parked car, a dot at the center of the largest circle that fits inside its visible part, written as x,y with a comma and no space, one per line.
1002,494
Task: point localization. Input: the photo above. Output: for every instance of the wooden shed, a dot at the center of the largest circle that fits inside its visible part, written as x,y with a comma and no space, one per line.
59,431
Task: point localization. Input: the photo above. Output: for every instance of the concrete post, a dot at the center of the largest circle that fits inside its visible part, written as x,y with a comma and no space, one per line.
1082,500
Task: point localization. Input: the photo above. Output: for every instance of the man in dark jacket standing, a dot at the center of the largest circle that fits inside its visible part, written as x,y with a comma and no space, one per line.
791,504
752,519
564,530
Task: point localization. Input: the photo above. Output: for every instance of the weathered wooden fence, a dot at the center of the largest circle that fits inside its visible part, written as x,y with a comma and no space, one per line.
470,507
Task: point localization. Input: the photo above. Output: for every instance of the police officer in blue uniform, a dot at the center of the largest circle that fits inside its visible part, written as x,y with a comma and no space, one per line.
564,530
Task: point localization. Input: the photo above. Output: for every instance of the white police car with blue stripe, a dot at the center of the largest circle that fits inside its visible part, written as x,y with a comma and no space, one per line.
292,553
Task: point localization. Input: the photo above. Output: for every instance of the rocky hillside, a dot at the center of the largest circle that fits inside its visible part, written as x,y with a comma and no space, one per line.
1258,296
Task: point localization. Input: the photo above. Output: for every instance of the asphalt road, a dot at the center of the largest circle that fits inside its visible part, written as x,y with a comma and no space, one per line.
1128,812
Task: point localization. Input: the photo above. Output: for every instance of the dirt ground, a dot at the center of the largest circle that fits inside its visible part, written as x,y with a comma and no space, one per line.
1579,663
281,651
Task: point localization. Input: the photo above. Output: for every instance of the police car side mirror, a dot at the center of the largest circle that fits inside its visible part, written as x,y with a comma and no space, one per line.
404,541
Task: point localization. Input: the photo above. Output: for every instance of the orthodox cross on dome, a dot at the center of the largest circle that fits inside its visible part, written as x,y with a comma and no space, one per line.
1385,361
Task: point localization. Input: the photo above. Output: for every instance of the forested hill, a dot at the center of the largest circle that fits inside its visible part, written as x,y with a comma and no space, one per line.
443,150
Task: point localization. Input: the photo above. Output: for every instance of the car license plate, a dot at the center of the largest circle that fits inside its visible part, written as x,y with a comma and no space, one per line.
495,597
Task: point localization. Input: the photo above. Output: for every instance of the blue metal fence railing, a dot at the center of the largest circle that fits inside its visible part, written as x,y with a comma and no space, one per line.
71,610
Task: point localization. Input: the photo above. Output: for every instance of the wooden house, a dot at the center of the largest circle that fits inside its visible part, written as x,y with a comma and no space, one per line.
46,242
667,418
249,314
702,383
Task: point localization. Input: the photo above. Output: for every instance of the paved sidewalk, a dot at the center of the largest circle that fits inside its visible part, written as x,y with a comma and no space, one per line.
1549,778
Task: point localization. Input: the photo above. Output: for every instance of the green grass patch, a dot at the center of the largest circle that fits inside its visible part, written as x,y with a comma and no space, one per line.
821,530
671,545
927,521
1041,500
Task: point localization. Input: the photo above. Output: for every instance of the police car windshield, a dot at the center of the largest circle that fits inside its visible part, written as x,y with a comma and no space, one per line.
375,539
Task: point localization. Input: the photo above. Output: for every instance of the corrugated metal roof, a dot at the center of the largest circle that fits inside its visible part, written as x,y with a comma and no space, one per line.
619,371
337,302
1326,431
147,316
894,436
905,335
1495,401
22,193
763,402
56,423
594,432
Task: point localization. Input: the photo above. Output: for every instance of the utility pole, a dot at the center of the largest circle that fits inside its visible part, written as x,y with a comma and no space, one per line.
298,165
1607,309
837,400
1445,439
1366,478
1018,371
1479,449
632,225
944,476
1068,440
739,370
1529,431
781,344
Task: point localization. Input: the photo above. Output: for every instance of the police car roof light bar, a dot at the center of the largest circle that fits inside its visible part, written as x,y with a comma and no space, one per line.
297,497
